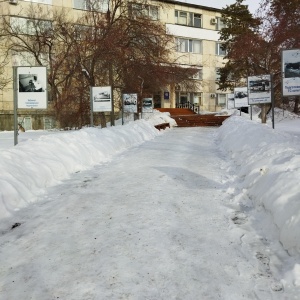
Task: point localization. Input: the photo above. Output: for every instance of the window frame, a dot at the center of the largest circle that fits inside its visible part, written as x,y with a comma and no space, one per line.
218,100
91,5
30,26
198,96
49,2
140,10
189,45
189,19
198,75
220,25
219,51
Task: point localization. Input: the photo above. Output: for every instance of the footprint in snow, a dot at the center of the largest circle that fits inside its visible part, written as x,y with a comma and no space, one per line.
239,218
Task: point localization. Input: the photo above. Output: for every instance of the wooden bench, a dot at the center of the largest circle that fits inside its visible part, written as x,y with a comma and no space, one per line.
162,126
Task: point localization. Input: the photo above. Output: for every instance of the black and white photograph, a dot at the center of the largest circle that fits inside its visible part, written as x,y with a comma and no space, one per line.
30,83
32,87
101,97
130,103
240,97
291,71
258,86
147,105
291,63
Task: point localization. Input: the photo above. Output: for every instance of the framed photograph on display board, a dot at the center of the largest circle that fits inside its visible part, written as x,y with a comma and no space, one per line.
101,98
32,87
147,105
130,103
259,89
291,72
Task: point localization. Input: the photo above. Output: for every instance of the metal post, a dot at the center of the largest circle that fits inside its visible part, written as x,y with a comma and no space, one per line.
15,96
272,101
112,115
122,109
91,107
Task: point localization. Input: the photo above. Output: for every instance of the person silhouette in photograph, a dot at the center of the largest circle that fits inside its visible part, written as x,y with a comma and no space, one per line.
37,85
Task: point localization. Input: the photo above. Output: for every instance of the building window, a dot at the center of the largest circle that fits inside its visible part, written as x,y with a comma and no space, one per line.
28,59
40,1
25,122
220,23
218,76
219,50
197,98
198,75
49,123
142,10
92,5
180,17
188,45
31,26
153,12
185,18
221,100
82,32
195,20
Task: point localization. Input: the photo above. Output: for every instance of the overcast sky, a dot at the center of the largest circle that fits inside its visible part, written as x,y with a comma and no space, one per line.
253,4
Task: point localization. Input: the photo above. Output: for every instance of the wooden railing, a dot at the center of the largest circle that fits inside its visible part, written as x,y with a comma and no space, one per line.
189,105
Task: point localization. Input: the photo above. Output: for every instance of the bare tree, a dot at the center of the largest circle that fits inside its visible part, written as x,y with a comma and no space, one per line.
5,79
115,42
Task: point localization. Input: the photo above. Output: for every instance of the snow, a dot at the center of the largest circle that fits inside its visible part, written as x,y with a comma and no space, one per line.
130,212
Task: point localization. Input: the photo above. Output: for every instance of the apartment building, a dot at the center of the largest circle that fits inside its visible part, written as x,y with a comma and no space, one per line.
195,31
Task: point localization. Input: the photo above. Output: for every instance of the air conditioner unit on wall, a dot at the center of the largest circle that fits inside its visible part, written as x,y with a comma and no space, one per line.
212,95
15,2
213,21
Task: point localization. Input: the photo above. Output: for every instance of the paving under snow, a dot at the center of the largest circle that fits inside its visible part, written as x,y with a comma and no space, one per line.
150,215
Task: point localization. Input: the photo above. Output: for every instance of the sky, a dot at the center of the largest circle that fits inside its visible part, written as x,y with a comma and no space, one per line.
253,4
130,212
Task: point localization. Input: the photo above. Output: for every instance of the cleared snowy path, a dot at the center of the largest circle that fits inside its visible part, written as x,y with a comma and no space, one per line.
151,224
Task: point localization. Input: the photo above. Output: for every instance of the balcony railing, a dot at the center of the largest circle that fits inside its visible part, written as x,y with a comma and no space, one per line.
195,108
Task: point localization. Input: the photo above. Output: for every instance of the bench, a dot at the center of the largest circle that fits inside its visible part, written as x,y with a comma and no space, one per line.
162,126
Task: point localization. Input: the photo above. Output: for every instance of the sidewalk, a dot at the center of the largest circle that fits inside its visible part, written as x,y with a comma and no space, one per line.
154,223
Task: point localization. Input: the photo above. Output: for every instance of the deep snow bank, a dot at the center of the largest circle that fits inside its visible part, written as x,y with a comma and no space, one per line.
269,164
28,168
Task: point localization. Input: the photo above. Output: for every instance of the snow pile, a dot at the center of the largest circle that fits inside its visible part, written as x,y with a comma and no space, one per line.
268,162
157,117
30,167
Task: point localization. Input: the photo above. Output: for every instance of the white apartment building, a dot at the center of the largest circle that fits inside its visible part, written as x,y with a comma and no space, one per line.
195,30
196,33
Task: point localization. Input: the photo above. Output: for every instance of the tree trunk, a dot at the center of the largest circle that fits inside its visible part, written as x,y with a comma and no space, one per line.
102,120
296,107
263,113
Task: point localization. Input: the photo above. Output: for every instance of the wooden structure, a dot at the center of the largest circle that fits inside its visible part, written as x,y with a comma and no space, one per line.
187,118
